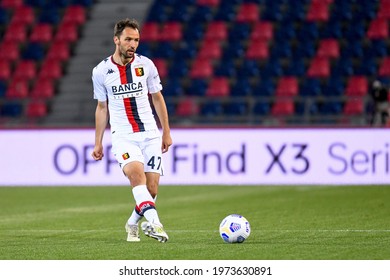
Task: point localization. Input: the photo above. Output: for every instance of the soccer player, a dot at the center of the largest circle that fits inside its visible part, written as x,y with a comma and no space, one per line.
121,84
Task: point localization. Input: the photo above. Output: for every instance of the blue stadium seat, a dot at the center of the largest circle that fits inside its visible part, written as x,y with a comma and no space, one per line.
173,87
212,108
242,87
311,87
197,87
236,108
12,109
262,108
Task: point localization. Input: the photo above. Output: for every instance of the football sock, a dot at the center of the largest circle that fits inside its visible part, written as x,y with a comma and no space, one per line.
136,216
145,204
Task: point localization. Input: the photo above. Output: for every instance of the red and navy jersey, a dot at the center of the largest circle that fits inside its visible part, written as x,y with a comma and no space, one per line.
126,88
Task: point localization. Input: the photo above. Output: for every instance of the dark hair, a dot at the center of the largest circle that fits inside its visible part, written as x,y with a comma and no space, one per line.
122,24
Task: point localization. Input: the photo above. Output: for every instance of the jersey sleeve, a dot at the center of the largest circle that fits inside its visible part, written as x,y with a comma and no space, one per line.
99,91
153,81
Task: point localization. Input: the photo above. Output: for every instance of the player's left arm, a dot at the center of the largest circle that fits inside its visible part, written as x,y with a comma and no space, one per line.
162,113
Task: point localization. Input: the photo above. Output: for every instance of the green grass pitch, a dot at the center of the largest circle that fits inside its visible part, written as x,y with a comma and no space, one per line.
288,223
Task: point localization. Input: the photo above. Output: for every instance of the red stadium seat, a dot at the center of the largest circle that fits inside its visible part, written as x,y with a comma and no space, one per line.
282,107
328,48
15,33
17,89
378,29
59,51
319,67
150,32
42,33
25,69
262,30
67,32
161,66
218,87
210,3
210,49
50,69
354,106
187,107
201,68
11,4
318,11
384,68
36,109
74,14
216,30
23,15
357,86
9,50
287,86
257,49
384,10
171,31
248,12
43,88
5,70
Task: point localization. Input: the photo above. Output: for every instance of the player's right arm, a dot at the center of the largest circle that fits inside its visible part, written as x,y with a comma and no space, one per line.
101,119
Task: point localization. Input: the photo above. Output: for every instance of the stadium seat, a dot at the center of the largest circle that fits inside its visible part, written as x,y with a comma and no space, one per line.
384,10
201,68
242,87
34,51
43,88
257,49
50,69
17,89
328,48
216,30
262,108
36,109
318,11
287,86
384,68
378,29
197,87
12,109
357,86
354,107
150,32
15,33
211,3
23,15
25,69
5,70
311,87
171,31
262,30
58,51
235,108
282,107
212,108
11,4
187,107
319,68
218,87
162,67
75,14
210,49
9,51
67,32
265,88
248,12
41,33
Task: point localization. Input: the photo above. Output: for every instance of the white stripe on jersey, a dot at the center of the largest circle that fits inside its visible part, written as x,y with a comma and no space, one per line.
127,88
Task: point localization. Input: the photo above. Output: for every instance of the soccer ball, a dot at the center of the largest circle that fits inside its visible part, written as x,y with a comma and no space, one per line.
234,229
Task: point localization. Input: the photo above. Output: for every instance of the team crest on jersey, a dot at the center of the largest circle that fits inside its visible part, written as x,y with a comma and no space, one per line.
139,71
126,156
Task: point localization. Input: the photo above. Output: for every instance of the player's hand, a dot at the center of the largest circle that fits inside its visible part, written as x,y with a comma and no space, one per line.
166,142
97,153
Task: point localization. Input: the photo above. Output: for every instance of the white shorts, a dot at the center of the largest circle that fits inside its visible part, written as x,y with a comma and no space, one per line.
144,147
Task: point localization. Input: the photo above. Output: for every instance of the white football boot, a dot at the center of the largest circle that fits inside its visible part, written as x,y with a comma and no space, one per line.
155,231
132,233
